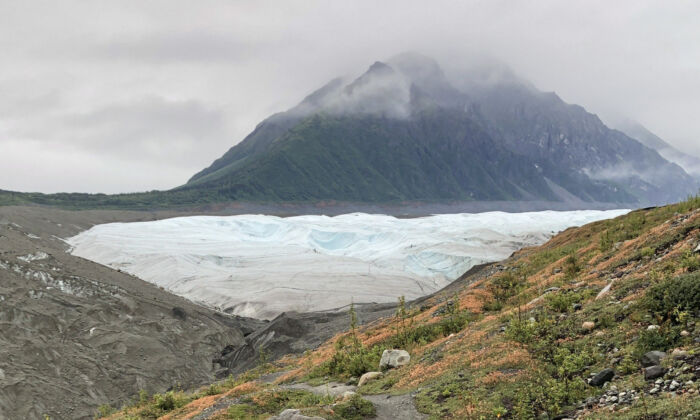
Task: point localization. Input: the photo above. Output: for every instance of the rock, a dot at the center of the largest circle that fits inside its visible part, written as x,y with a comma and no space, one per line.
652,358
684,333
393,359
552,289
588,325
653,372
602,377
348,394
654,390
293,414
369,376
179,313
577,306
679,354
697,248
674,385
605,290
652,327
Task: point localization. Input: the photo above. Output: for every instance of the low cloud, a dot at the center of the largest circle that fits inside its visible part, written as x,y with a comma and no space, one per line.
148,128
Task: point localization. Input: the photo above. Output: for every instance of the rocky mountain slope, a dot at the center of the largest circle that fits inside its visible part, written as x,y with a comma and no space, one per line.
691,164
403,131
603,321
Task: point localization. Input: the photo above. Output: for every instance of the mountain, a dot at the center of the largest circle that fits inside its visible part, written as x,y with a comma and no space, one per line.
691,164
403,130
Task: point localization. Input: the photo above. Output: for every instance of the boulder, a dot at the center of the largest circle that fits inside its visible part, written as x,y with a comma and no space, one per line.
369,376
602,377
393,359
293,414
347,395
653,372
679,354
652,358
588,325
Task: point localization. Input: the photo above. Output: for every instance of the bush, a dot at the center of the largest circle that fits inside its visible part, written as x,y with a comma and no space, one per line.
650,340
563,301
505,286
690,261
647,252
571,266
355,408
521,331
670,298
105,410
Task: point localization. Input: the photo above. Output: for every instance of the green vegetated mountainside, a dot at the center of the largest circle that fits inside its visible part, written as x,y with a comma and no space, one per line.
603,321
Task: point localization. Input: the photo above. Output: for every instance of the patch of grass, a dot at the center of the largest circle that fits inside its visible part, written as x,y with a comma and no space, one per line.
355,408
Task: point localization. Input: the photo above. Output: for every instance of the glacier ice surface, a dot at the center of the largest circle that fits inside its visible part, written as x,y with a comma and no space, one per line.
260,266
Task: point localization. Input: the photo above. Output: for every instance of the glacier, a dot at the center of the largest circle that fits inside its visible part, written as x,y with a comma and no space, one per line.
260,266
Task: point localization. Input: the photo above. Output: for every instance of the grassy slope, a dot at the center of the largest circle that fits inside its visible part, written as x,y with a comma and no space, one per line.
509,348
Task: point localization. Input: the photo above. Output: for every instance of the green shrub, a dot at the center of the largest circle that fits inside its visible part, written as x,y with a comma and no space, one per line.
606,241
671,297
647,252
690,261
571,266
653,340
628,365
505,286
355,408
563,301
105,410
521,331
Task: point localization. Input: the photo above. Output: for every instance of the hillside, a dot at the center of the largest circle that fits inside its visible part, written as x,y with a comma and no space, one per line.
568,329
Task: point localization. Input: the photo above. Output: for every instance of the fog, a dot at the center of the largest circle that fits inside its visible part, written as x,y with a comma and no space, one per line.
129,96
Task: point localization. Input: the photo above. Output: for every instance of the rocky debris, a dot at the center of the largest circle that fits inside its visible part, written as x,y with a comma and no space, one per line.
612,398
293,414
367,377
652,358
394,358
653,372
588,325
602,377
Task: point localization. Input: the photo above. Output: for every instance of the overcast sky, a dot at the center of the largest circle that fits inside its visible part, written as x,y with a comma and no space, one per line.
119,96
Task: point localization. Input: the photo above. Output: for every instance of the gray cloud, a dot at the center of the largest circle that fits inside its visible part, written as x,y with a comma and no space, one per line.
176,83
196,46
